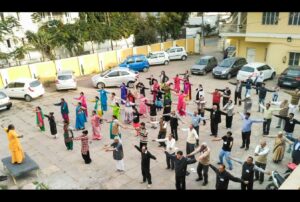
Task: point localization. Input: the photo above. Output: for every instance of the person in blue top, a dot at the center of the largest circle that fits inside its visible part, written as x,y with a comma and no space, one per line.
248,85
80,117
246,128
196,119
63,109
103,97
296,149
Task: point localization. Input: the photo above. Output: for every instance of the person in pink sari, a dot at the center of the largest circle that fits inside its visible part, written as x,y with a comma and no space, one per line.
82,99
188,89
143,107
177,80
181,105
155,89
95,120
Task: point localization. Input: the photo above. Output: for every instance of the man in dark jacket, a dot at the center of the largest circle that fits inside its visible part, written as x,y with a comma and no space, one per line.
180,163
145,164
223,177
262,95
296,149
226,95
215,119
174,117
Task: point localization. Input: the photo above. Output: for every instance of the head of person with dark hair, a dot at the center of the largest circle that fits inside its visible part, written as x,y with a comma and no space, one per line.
179,155
268,105
182,91
117,104
114,117
170,136
249,160
214,107
291,115
163,73
247,115
94,112
113,94
51,113
81,93
79,103
229,133
143,125
216,90
230,102
66,122
38,108
62,99
85,132
144,148
10,127
221,168
97,98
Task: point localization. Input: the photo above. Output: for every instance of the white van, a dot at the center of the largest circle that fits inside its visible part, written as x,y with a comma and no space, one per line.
177,53
24,88
158,58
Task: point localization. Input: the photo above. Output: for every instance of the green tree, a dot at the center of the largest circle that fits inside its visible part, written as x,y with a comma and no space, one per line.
208,29
7,26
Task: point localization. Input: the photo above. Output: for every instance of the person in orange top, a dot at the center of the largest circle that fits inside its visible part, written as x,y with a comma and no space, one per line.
17,154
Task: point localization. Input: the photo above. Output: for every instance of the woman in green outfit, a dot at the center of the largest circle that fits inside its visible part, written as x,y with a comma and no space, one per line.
116,110
97,106
40,118
68,136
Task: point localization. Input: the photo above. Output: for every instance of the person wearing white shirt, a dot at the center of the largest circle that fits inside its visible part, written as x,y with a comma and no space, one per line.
191,140
170,148
258,81
261,152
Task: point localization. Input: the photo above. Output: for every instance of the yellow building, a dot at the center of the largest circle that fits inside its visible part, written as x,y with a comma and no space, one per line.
269,37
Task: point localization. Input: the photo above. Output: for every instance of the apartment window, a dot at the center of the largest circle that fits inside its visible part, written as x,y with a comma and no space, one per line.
270,18
8,43
294,18
294,58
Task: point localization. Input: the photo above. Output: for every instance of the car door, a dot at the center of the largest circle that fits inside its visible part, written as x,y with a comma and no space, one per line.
161,58
261,69
130,62
213,63
179,53
111,79
153,59
124,77
19,90
268,72
172,54
9,89
235,67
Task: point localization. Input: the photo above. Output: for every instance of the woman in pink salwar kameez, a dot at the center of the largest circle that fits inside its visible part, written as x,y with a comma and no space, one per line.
177,83
155,89
181,105
95,120
187,89
82,99
143,107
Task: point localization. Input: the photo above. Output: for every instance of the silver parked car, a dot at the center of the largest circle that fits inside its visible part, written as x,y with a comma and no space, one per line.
65,80
204,64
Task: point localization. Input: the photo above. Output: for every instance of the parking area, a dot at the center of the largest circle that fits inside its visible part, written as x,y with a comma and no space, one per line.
62,169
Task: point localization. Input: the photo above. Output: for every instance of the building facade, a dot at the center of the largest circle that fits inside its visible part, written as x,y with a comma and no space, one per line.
269,37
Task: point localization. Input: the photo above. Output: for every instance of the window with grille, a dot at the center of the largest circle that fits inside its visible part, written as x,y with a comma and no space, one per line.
294,18
270,18
294,58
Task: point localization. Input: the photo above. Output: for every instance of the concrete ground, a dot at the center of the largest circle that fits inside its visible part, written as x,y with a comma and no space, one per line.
62,169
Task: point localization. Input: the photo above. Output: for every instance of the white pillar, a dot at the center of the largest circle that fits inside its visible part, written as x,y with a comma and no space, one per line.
174,43
161,46
239,21
80,62
58,65
119,56
4,75
186,45
148,49
134,50
33,72
101,61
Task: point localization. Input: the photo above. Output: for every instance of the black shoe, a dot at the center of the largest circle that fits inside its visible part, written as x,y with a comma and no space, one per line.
199,179
242,147
172,168
212,135
219,163
167,168
247,148
204,183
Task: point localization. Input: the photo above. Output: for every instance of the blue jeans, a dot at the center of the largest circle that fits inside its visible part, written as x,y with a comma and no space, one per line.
226,154
261,101
248,91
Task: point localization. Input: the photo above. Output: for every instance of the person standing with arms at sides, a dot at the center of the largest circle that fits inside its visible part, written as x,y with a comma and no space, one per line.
201,105
203,162
181,105
247,103
136,119
40,118
279,146
275,95
64,110
180,163
143,107
296,149
15,148
170,148
114,128
215,119
248,86
261,152
103,97
116,110
52,124
237,92
196,119
284,105
268,112
289,126
259,79
95,121
142,88
248,169
80,117
82,99
162,131
123,92
174,117
229,107
226,149
145,164
226,95
295,97
191,140
216,98
223,177
96,106
117,148
153,114
177,80
84,146
246,128
262,95
68,135
167,108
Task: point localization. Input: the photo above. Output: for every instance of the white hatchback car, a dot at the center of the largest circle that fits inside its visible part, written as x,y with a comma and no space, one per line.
24,88
115,77
65,80
5,102
253,69
158,58
177,53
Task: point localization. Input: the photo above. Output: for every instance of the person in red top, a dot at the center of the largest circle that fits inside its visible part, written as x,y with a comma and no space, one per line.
131,97
84,146
216,98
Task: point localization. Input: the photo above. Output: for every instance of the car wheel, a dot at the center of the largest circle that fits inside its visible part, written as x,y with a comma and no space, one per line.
28,98
183,58
271,187
273,75
100,85
204,72
146,69
229,76
130,84
166,62
8,107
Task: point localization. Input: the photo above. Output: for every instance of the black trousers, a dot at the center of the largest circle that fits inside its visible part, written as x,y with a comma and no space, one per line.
214,127
228,121
190,148
197,130
162,135
237,95
266,126
258,84
248,186
246,138
174,132
260,175
142,144
170,161
86,157
146,175
203,168
202,114
180,182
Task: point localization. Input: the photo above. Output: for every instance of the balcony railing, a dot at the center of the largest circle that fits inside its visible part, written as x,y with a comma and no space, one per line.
231,28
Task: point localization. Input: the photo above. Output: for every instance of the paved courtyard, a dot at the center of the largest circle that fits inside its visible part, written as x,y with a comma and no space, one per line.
62,169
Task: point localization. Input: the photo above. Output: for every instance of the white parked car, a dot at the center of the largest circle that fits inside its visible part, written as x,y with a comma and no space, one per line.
115,77
253,69
5,102
158,58
65,80
24,88
177,53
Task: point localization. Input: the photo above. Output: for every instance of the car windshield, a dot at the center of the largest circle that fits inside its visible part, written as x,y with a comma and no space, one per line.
202,62
293,73
64,77
105,72
226,63
247,69
2,95
35,84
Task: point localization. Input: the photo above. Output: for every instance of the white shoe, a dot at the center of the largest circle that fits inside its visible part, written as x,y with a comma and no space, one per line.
149,186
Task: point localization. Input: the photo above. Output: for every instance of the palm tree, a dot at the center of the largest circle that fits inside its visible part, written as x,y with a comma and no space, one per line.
7,26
